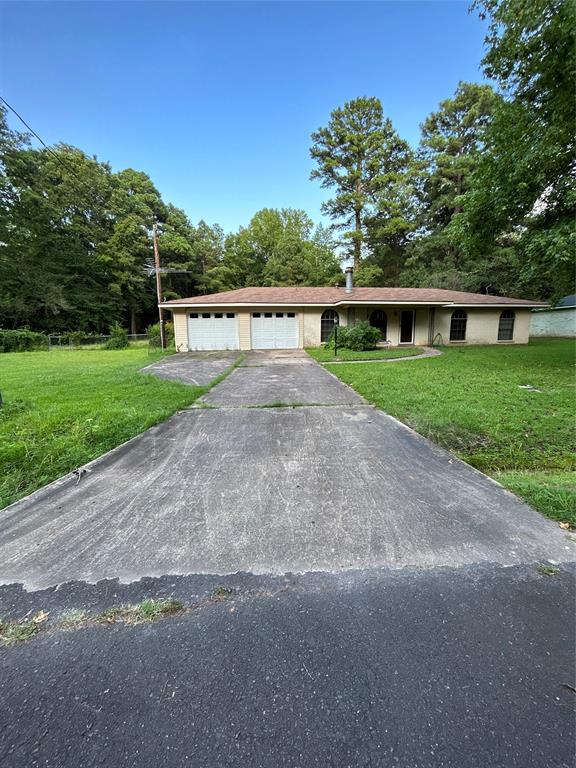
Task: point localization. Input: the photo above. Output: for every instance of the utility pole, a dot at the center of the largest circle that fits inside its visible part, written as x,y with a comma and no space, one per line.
158,286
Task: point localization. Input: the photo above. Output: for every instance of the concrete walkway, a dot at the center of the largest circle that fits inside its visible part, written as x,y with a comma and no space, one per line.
428,352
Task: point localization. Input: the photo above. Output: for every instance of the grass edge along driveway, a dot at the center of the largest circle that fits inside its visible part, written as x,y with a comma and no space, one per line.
326,355
471,400
64,408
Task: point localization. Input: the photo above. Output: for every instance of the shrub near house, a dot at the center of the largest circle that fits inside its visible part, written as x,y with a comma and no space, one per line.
358,337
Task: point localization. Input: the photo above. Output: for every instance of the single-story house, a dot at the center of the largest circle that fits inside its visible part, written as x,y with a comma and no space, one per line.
288,318
555,321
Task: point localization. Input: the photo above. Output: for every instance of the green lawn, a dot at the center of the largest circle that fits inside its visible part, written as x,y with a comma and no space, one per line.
64,408
470,401
323,355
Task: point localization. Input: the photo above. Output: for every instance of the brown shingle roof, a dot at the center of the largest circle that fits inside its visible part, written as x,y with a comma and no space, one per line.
335,296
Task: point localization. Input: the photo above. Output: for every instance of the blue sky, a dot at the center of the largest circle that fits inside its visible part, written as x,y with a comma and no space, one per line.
216,101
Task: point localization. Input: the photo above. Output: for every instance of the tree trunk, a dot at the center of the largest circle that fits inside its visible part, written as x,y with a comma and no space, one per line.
132,322
458,208
357,227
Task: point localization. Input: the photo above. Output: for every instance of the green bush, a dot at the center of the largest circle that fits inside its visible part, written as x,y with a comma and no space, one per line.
153,333
357,337
22,340
118,337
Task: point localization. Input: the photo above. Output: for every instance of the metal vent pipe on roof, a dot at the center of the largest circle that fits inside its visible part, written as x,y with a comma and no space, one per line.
349,279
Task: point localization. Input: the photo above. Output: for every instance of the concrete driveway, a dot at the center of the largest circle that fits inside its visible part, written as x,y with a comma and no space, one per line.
286,377
196,368
236,487
385,606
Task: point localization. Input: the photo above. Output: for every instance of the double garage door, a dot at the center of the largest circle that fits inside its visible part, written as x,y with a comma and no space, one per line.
274,330
213,330
219,330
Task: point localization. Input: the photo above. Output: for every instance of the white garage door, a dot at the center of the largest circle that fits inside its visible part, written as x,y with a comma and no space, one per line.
213,330
274,330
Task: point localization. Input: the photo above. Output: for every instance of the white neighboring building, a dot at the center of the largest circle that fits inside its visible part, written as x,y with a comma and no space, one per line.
555,321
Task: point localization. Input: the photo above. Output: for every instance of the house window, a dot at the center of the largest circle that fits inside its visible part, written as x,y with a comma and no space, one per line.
458,325
230,314
291,314
329,319
255,314
506,325
267,314
193,315
218,315
205,315
378,319
279,314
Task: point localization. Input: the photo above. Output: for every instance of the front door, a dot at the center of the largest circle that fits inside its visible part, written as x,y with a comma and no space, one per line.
407,326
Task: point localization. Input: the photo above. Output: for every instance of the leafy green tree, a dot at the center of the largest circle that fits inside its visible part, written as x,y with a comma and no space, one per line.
57,219
357,154
278,247
135,204
300,256
208,248
524,189
176,247
450,150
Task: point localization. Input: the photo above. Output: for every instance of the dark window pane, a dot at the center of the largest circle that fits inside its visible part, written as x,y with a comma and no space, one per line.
329,319
506,325
291,314
219,315
230,314
255,314
193,315
267,314
205,315
279,314
458,325
406,326
379,319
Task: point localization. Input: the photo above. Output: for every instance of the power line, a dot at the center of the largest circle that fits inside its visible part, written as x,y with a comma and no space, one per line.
60,159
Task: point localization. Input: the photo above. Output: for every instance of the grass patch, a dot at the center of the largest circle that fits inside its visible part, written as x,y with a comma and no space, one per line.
470,401
13,632
325,355
147,610
547,570
64,408
73,619
554,493
222,593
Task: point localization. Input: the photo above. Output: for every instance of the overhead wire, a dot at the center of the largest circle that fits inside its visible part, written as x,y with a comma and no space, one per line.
57,156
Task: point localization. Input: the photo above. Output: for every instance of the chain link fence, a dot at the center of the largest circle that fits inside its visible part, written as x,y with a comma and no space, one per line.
90,341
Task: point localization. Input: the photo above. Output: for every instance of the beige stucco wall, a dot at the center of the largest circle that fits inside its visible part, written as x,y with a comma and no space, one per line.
180,330
244,330
482,326
311,323
311,317
359,314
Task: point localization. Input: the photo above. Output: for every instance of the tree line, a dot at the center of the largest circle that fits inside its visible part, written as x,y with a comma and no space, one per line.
485,202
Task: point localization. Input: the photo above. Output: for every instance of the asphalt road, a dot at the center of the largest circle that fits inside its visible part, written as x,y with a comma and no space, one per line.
442,668
386,607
